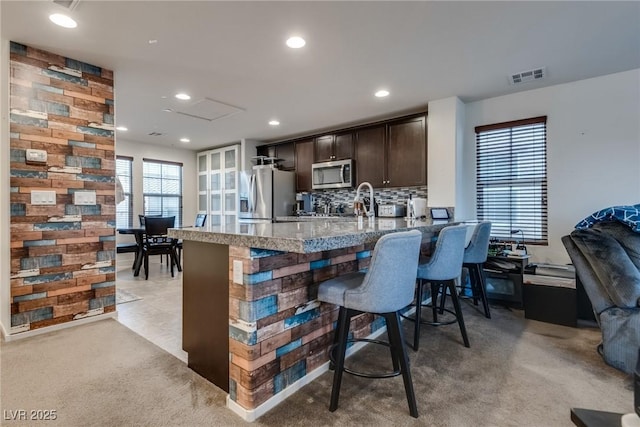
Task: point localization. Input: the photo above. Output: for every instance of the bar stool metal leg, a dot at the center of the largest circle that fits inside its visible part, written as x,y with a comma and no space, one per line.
418,315
396,340
456,305
344,319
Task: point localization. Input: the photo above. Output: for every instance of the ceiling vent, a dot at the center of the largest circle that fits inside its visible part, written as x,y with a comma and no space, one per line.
527,76
209,109
155,134
67,4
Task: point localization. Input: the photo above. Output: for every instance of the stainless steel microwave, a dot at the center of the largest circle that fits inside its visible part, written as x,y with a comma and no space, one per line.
336,174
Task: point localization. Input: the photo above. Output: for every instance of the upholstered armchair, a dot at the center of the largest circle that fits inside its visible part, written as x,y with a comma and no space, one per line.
607,261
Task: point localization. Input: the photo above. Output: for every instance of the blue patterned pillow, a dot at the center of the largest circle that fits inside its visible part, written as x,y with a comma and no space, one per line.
629,215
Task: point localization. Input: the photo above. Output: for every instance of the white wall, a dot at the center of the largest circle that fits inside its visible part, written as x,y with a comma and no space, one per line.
444,144
139,151
593,148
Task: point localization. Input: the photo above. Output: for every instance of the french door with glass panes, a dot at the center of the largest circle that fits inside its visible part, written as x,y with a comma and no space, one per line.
218,185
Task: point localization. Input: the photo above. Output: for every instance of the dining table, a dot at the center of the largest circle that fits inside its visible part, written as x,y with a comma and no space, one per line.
138,232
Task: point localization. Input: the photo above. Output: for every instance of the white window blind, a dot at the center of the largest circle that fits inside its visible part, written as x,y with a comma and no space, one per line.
162,187
511,180
124,209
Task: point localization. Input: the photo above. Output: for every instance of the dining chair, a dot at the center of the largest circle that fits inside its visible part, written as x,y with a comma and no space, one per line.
201,219
156,242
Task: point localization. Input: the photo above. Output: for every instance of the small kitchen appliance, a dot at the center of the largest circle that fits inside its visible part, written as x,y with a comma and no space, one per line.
391,210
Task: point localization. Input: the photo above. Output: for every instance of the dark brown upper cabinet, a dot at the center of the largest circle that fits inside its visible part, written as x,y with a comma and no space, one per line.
369,155
285,152
304,159
389,153
393,154
406,153
334,147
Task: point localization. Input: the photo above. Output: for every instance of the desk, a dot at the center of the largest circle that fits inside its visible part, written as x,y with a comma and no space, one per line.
139,235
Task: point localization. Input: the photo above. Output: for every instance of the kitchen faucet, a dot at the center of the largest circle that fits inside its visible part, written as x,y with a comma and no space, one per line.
371,212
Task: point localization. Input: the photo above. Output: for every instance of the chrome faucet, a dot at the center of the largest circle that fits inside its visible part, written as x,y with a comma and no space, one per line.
371,213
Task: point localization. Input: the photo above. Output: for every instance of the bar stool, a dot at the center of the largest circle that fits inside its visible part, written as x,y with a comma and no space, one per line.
441,270
475,255
384,289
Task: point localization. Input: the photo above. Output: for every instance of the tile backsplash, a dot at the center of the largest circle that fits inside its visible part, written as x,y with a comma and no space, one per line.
381,195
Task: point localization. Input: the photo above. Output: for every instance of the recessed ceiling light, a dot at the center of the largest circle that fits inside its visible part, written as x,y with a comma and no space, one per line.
168,110
382,93
295,42
183,96
63,20
274,123
185,140
122,128
153,41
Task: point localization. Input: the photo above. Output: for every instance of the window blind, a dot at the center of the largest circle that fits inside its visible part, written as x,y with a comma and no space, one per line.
162,188
124,209
511,179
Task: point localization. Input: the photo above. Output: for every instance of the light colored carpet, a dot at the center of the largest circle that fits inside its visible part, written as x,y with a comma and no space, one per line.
516,373
124,296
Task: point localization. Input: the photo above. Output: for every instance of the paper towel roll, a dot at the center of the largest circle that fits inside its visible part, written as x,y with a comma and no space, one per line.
420,206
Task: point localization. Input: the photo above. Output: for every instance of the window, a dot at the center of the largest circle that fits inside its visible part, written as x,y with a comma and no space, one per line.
124,209
162,187
511,180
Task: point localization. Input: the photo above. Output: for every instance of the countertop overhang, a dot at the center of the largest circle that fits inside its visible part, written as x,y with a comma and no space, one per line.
304,236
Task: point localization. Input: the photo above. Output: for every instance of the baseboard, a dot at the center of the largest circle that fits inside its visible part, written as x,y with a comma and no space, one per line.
251,415
40,331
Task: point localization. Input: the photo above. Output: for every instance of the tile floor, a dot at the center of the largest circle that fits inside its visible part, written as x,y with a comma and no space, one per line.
157,315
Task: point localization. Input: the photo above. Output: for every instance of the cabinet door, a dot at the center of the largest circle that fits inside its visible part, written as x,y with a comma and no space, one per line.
229,181
343,146
369,156
286,152
218,184
406,153
203,178
324,148
304,160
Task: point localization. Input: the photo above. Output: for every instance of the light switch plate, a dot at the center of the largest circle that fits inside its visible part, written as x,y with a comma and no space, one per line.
43,197
237,271
37,156
84,198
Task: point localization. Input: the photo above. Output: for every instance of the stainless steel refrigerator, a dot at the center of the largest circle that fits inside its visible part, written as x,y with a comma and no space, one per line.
266,193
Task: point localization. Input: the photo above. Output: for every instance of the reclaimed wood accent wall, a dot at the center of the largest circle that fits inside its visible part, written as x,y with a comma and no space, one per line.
62,255
278,330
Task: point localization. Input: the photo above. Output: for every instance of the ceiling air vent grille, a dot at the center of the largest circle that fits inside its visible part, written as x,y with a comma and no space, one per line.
527,76
68,4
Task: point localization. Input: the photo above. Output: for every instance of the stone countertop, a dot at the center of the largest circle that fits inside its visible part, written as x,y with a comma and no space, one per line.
305,236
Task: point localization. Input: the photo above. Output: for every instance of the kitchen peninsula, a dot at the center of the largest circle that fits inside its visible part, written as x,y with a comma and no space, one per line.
252,324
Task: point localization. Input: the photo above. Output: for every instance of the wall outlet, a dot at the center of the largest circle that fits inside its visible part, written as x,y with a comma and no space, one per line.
84,198
43,197
237,271
36,156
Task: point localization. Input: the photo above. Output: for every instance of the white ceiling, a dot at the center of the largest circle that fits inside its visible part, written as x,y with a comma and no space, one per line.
234,52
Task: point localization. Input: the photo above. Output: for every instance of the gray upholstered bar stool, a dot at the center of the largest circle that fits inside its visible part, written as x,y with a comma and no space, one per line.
475,255
441,270
386,287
